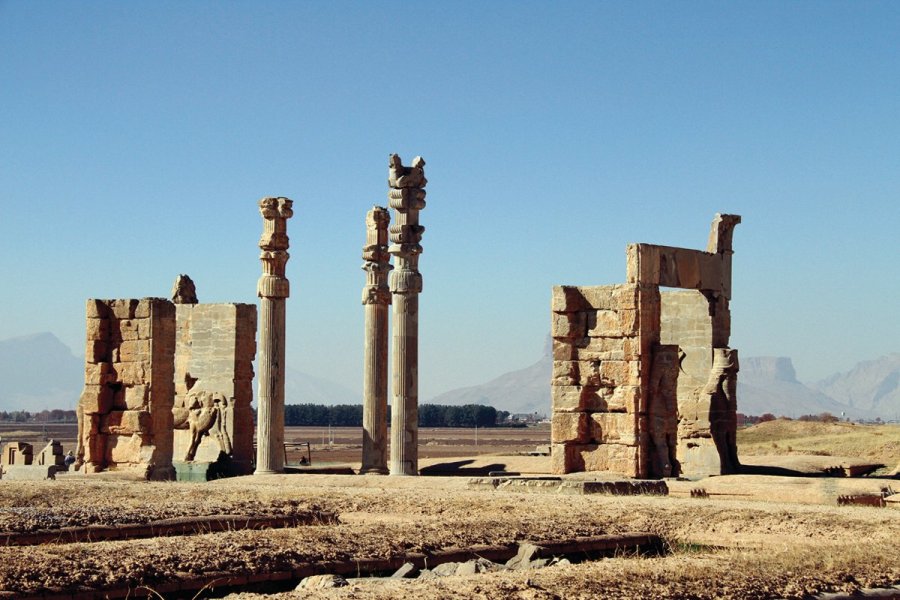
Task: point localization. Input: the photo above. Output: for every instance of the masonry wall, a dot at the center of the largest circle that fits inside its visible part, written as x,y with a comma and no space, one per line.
603,339
215,348
126,406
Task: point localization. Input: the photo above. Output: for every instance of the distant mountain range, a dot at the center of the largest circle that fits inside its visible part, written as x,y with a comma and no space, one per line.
39,372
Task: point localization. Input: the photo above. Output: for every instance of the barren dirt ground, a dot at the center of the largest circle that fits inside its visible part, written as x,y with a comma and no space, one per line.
754,537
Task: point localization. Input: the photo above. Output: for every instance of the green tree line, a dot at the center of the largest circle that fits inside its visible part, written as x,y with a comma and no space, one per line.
430,415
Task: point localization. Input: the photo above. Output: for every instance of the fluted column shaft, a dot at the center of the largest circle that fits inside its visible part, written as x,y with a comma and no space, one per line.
376,297
407,198
273,290
405,403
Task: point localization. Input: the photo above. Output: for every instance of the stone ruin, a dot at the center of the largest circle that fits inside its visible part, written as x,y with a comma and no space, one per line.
400,287
644,383
166,383
18,461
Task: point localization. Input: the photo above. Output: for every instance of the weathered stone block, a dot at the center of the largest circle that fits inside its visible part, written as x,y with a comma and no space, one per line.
123,309
131,373
577,398
619,428
125,422
97,329
132,351
564,349
569,325
608,348
98,373
96,399
127,449
624,398
569,427
97,309
135,396
96,351
620,372
604,323
131,329
565,372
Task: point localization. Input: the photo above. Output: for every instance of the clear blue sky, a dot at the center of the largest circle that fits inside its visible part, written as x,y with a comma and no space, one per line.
137,137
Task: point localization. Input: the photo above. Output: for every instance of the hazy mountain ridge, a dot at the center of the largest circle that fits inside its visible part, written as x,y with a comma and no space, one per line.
872,385
39,372
768,384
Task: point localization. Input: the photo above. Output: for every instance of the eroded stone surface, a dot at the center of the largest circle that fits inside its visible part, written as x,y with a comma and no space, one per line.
635,387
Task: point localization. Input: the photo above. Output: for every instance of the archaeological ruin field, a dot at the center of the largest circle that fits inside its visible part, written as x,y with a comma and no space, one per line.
750,536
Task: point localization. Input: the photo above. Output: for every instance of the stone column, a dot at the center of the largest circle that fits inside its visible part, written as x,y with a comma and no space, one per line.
273,289
376,297
407,198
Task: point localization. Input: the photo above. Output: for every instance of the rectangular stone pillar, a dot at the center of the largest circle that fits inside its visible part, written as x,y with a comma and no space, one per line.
215,349
125,410
603,339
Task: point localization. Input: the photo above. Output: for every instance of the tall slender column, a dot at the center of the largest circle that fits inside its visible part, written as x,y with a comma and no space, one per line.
273,289
407,198
375,297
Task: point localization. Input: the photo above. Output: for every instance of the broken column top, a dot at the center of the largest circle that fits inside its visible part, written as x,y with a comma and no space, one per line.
184,291
406,177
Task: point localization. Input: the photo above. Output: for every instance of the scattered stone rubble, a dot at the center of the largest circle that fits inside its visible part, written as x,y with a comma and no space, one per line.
644,382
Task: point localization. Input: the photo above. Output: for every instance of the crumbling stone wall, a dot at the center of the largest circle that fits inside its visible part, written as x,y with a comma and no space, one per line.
644,382
125,410
214,352
600,349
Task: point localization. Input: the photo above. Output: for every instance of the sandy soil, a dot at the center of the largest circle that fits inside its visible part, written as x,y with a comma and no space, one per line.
750,548
753,537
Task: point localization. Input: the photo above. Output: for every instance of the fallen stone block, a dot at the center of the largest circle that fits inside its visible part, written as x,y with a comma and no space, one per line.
321,582
30,472
407,570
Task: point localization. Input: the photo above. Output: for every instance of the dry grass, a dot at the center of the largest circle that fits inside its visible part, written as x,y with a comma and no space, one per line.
878,443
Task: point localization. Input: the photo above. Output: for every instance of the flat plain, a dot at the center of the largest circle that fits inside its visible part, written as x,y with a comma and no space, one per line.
750,537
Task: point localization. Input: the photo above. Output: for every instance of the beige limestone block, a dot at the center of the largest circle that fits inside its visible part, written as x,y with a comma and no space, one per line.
569,427
565,372
563,349
123,309
629,322
620,372
568,298
608,348
569,325
97,329
96,309
96,351
605,297
569,458
576,398
135,396
133,351
602,323
625,398
125,422
144,306
98,373
620,428
131,373
133,329
127,449
96,399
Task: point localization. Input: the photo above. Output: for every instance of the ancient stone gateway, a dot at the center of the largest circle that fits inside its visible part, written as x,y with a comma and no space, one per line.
167,383
644,383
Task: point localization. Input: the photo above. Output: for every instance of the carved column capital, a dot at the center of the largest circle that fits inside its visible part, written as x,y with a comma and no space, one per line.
407,197
274,243
377,265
